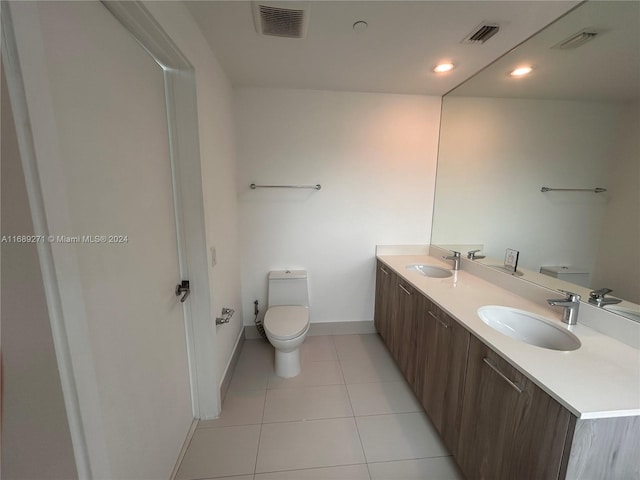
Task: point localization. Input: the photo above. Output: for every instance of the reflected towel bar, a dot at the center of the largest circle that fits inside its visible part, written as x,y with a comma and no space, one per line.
315,187
594,190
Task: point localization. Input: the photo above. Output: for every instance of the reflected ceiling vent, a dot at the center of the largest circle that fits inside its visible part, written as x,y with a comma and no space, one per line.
281,19
577,40
482,33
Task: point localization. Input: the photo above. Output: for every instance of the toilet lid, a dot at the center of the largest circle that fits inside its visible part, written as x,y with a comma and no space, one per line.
286,322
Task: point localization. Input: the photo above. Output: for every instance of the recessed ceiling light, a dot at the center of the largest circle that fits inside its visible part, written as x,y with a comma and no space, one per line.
521,71
443,67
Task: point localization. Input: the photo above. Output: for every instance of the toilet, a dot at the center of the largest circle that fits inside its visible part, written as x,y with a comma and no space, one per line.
286,322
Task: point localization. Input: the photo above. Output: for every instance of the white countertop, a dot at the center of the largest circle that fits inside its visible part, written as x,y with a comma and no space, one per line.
598,380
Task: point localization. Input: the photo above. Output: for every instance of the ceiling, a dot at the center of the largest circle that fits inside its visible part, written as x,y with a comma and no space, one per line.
605,68
395,54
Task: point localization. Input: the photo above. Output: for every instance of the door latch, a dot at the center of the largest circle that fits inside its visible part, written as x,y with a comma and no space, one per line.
183,289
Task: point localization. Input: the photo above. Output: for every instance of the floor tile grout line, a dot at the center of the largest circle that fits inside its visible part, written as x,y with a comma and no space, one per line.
300,420
306,421
264,406
231,425
364,453
412,458
310,468
355,421
333,337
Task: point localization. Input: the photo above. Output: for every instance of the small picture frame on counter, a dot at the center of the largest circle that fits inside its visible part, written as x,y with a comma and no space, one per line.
511,259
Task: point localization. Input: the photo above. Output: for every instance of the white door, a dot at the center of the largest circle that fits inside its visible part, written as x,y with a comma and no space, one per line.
106,179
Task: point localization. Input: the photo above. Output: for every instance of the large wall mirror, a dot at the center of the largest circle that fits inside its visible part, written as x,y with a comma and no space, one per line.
572,125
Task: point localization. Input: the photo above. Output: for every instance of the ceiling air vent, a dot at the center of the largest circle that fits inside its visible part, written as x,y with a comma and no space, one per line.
274,19
482,33
576,40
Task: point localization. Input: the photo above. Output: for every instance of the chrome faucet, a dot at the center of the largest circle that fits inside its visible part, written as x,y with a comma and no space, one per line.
571,304
471,255
456,259
597,297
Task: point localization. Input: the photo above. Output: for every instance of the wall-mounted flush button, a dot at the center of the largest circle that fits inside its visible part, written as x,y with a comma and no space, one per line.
214,259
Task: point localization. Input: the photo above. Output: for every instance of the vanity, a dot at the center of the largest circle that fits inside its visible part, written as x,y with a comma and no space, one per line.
506,409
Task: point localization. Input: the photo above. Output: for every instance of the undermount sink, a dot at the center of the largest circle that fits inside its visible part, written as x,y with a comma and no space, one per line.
528,328
430,270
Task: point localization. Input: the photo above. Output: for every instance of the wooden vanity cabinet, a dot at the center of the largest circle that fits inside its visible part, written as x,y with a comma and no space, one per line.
498,424
385,278
403,346
510,428
441,359
396,305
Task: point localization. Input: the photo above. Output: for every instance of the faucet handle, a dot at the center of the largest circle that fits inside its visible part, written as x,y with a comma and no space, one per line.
571,297
599,294
471,254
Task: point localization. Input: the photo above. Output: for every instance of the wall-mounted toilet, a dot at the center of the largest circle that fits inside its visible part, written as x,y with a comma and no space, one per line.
286,322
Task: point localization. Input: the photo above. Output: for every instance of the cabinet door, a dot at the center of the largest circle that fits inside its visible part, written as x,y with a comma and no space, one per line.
404,338
441,359
383,300
510,428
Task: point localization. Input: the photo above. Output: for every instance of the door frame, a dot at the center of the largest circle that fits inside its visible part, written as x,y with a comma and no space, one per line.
40,160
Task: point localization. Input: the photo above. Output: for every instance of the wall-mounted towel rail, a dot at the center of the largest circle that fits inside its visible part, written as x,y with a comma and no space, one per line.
594,190
315,187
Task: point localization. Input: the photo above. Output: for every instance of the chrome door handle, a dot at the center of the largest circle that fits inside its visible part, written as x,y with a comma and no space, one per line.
384,271
404,290
183,289
513,384
440,321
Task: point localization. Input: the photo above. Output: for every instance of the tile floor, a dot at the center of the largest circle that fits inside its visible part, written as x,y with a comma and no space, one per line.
348,415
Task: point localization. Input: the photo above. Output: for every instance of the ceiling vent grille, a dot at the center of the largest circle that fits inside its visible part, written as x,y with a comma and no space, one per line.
577,40
278,21
482,33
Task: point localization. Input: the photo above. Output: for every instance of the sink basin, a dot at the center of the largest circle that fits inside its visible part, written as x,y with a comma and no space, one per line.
624,311
528,328
430,270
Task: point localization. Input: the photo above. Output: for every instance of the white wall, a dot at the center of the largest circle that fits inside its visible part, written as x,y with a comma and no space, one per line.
375,157
36,442
618,260
217,150
496,153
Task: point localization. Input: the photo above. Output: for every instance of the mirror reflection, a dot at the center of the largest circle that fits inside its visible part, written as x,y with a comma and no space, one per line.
572,125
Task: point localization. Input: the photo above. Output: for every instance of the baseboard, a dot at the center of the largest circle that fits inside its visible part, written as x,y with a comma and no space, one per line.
231,366
183,450
325,328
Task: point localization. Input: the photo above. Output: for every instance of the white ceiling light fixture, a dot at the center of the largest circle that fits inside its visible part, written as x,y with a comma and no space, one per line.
444,67
521,71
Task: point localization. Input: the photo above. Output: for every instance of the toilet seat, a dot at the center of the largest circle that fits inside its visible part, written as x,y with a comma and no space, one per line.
285,322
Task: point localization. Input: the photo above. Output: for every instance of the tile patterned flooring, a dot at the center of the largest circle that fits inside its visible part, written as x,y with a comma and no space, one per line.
348,415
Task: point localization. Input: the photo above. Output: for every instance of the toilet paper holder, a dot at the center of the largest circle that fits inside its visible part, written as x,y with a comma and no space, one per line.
227,313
